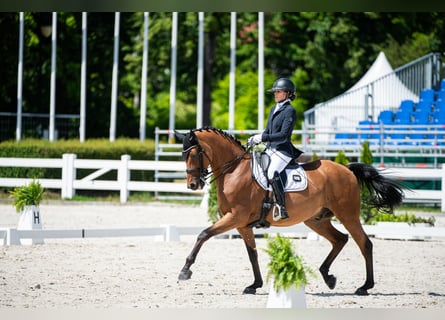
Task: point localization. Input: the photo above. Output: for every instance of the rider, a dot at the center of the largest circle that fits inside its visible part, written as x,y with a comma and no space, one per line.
277,135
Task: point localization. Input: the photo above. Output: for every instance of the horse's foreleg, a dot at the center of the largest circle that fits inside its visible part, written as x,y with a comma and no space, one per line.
186,273
249,240
227,222
337,239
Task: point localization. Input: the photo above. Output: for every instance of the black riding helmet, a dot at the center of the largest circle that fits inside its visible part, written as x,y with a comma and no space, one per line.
284,84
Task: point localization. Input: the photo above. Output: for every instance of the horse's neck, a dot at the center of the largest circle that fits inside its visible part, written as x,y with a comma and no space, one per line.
224,159
219,153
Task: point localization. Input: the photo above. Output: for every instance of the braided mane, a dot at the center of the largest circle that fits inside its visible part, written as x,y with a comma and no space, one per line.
224,134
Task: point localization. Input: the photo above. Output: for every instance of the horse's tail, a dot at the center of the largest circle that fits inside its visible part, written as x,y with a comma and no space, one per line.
385,193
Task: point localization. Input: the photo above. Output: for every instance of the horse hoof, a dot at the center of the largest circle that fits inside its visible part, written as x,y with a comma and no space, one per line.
331,282
361,292
185,275
249,290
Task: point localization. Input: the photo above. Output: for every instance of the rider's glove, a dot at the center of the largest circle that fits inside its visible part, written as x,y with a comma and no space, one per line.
254,140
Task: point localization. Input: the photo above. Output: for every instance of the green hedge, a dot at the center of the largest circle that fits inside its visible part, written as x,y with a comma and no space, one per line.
90,149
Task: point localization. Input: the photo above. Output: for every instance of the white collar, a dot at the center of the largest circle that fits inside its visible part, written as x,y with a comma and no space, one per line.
280,104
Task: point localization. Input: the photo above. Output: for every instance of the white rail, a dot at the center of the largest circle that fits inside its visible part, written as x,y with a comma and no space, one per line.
69,182
401,231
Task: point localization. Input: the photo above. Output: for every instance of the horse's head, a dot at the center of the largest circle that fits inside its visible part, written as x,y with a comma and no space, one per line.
209,147
196,166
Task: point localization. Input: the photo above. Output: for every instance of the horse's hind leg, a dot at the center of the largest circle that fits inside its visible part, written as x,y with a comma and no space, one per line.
337,239
249,240
360,237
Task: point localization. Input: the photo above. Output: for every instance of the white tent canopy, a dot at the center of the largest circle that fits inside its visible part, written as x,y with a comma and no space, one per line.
379,89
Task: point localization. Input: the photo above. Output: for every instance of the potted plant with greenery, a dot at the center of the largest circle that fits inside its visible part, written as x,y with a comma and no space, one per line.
288,273
26,200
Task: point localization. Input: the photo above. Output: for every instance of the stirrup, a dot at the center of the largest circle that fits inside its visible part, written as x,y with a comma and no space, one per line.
276,212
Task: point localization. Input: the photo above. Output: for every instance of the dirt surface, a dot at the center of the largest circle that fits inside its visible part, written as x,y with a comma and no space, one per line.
141,272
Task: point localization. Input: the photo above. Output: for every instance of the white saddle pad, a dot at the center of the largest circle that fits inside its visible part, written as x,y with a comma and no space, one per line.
296,177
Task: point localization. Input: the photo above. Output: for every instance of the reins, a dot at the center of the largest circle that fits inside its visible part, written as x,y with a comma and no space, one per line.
228,165
204,173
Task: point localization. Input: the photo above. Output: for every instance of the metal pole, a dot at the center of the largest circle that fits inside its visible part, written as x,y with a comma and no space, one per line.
232,71
83,77
200,80
174,42
18,132
114,79
143,115
52,103
260,70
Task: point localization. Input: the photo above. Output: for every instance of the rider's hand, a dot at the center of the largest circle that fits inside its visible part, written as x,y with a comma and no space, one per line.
254,140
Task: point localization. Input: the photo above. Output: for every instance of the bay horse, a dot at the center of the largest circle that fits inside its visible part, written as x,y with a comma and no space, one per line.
333,190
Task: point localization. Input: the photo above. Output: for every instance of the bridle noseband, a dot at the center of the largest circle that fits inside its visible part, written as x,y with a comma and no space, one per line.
203,172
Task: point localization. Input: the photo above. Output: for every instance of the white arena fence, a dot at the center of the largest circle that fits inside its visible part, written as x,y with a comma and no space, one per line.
69,183
393,231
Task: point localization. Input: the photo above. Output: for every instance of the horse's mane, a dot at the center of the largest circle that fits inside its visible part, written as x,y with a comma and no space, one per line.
224,134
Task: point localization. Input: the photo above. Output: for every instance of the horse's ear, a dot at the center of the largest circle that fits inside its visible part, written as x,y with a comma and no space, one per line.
179,136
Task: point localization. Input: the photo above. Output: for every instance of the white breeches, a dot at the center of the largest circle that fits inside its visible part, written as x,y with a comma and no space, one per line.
278,162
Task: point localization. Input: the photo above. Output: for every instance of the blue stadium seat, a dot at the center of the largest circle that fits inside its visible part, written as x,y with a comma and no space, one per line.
423,106
441,94
402,120
370,131
345,138
442,84
426,95
422,117
439,131
439,116
439,104
403,117
386,117
406,105
421,120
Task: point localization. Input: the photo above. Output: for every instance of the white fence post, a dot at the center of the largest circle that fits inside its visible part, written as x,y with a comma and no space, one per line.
171,232
442,203
68,175
123,176
12,237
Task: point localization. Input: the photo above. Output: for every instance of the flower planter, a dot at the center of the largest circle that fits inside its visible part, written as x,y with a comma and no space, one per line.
290,298
30,220
287,275
26,200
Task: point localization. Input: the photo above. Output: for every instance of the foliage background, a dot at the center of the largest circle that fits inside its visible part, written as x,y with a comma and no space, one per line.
323,52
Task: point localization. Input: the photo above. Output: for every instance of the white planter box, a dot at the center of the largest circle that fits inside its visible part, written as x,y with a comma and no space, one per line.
291,298
401,231
30,220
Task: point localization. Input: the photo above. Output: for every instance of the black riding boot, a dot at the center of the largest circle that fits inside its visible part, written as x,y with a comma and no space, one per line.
278,190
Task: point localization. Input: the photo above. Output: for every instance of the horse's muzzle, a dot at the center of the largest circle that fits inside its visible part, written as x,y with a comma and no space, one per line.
196,184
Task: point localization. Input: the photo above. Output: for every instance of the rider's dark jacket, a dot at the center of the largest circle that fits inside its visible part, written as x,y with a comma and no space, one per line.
279,128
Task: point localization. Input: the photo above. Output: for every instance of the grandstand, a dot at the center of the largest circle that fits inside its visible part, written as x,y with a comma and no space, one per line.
413,123
403,120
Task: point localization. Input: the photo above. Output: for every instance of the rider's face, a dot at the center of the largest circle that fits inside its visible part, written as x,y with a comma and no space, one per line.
280,95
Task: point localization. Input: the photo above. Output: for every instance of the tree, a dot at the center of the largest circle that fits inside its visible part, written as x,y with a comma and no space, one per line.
366,212
324,53
341,158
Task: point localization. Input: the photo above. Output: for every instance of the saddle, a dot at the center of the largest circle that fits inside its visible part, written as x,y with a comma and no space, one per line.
293,176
